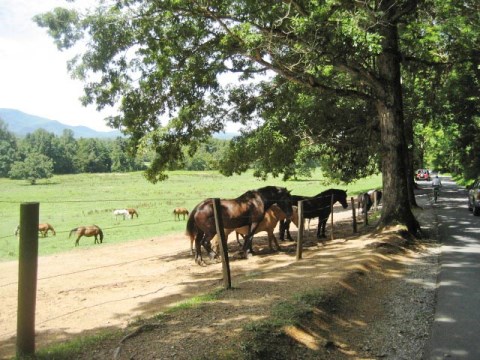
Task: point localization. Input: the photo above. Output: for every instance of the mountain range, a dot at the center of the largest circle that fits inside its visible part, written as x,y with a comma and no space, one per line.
21,124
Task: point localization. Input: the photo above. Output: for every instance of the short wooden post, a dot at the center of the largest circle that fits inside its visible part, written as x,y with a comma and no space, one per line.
365,211
227,281
354,215
301,226
375,200
331,220
27,279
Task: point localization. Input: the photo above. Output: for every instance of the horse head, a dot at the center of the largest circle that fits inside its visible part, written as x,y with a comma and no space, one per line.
341,196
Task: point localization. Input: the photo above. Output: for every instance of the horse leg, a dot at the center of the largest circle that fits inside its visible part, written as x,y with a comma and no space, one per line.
271,236
77,242
198,248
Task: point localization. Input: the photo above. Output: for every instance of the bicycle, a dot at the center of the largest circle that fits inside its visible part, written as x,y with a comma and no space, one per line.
436,191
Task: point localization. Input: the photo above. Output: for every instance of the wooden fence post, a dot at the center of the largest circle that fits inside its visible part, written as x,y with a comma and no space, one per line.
354,215
301,225
227,281
331,220
365,211
375,200
27,279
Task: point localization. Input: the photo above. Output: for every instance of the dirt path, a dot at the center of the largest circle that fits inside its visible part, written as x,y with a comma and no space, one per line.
109,286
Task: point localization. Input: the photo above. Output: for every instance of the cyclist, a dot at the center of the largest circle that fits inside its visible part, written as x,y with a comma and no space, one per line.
436,184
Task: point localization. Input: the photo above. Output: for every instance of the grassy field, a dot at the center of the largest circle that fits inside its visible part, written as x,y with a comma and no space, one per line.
69,201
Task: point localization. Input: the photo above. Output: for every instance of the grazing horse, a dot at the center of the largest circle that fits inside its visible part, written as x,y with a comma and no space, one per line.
317,206
132,212
246,210
87,231
180,211
268,224
368,199
42,229
45,228
121,212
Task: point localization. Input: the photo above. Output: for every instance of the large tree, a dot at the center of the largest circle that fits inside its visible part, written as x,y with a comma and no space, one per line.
160,59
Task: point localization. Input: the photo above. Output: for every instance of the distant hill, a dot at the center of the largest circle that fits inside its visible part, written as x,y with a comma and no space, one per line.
21,124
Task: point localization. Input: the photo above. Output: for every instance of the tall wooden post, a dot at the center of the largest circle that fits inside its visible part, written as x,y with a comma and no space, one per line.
365,211
375,204
354,215
301,226
227,281
331,220
27,279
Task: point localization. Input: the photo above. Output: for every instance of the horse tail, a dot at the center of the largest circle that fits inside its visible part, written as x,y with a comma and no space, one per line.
191,229
72,231
101,234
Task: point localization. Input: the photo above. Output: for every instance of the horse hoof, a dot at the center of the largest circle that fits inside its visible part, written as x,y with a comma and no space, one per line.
212,255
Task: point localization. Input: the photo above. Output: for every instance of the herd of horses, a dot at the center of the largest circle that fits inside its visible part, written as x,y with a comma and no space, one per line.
87,231
250,213
261,210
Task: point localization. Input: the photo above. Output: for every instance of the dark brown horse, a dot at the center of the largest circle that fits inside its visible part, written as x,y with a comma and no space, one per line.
246,210
268,224
87,231
132,212
317,206
180,211
45,228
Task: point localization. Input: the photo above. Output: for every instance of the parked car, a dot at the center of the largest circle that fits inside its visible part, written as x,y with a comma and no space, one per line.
422,174
474,197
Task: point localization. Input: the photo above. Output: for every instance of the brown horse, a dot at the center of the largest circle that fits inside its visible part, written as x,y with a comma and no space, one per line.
180,211
132,212
45,228
87,231
268,224
246,210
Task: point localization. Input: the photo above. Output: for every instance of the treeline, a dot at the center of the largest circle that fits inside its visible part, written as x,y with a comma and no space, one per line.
42,154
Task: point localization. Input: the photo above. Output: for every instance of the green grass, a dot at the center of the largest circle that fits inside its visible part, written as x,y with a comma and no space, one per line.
69,201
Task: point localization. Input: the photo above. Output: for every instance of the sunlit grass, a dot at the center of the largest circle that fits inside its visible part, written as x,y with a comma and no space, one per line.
69,201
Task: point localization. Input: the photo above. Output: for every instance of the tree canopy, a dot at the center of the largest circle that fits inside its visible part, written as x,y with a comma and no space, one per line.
311,78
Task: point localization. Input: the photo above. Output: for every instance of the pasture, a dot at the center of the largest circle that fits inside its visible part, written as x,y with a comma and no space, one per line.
69,201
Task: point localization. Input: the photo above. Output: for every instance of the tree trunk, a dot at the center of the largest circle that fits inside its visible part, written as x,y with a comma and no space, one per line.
409,164
396,203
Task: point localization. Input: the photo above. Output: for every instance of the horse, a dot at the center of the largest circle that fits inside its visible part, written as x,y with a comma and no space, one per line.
317,206
132,212
246,210
180,211
121,212
368,199
87,231
268,224
45,228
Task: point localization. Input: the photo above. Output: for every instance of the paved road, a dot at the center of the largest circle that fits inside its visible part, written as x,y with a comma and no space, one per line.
456,329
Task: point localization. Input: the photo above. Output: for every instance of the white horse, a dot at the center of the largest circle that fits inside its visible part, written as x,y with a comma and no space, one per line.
121,212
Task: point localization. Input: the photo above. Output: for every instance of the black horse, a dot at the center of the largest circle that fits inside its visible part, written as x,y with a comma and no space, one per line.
316,206
247,209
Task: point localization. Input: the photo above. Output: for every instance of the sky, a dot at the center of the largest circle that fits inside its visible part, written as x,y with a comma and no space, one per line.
33,72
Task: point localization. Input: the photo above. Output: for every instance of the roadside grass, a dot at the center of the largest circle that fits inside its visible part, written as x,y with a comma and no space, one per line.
69,201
